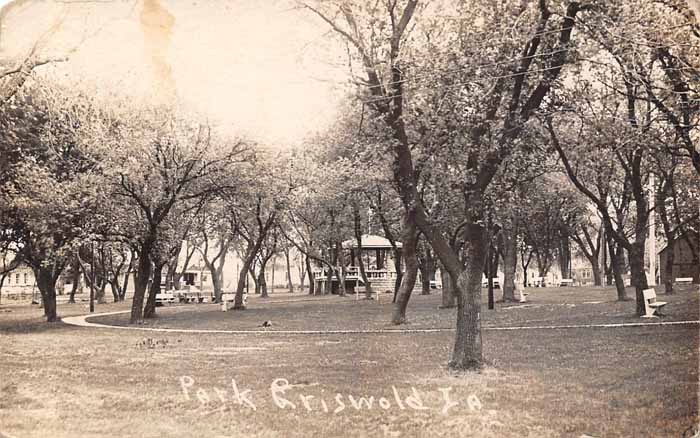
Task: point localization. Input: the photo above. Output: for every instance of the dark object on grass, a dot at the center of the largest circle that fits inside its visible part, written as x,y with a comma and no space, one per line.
267,324
152,343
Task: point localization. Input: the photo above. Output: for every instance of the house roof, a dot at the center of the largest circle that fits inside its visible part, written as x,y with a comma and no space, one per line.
371,241
663,247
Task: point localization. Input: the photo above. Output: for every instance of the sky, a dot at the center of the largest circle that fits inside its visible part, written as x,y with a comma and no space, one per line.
257,68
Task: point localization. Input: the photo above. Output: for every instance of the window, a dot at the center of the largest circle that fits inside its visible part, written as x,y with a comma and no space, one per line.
26,278
9,279
189,278
17,278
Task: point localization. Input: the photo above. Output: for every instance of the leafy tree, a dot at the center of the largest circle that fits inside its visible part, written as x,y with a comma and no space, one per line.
256,208
52,183
474,124
181,164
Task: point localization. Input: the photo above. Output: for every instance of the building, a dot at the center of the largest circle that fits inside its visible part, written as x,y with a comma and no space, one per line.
19,283
684,263
377,255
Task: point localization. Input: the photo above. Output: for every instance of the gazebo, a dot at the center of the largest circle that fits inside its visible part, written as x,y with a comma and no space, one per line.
376,252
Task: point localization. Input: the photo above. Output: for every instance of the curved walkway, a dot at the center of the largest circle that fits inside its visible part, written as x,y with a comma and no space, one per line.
81,321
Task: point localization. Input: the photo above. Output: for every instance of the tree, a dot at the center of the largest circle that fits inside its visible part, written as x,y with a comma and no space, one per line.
217,231
382,39
256,209
677,198
589,237
551,209
317,216
181,164
51,186
625,89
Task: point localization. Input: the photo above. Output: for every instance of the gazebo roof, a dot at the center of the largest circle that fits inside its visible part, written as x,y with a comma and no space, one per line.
371,241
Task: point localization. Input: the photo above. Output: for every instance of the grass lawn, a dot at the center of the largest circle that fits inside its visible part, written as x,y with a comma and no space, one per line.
60,380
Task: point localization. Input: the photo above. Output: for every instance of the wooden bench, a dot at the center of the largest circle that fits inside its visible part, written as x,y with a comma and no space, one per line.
496,283
539,282
228,300
167,297
566,282
651,306
683,280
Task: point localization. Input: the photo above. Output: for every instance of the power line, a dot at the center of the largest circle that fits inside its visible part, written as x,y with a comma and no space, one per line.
536,55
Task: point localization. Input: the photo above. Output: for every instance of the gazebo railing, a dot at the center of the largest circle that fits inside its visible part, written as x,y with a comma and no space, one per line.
353,273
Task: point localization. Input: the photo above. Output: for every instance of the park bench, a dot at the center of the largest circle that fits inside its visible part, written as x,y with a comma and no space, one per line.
566,282
683,280
496,283
165,297
539,282
228,299
651,306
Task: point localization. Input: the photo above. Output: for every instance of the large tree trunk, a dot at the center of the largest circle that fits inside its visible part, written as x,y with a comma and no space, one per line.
543,265
262,282
170,269
449,292
143,274
524,263
243,274
410,237
398,255
127,274
426,266
662,194
256,280
616,267
595,269
2,281
150,310
510,261
340,268
639,277
75,270
467,353
309,272
290,286
216,280
272,274
301,269
564,256
668,267
114,286
328,285
46,282
100,298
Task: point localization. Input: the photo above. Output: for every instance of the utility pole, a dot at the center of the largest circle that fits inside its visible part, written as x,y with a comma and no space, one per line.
489,265
92,278
652,232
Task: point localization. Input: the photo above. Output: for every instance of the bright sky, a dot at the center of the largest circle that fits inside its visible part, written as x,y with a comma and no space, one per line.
252,66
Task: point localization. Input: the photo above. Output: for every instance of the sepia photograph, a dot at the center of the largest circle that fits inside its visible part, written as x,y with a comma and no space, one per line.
349,218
